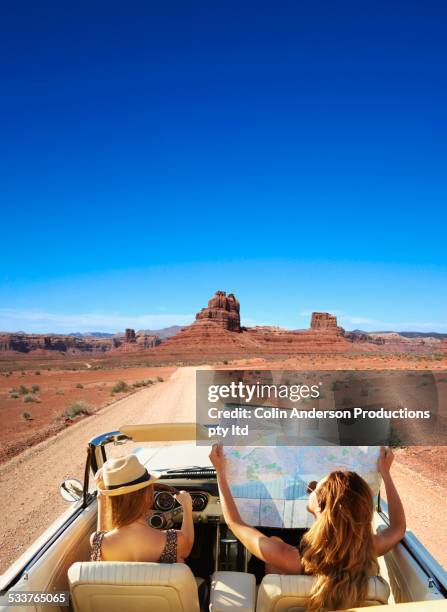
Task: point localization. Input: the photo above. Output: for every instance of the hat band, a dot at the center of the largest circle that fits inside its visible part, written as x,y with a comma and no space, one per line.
143,478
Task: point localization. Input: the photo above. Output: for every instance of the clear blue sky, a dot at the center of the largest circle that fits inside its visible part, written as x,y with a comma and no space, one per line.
292,152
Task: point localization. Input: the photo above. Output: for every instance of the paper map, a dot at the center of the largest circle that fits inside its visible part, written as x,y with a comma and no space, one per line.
269,484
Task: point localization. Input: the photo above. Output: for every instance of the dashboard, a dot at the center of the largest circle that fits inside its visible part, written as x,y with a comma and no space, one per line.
164,501
166,510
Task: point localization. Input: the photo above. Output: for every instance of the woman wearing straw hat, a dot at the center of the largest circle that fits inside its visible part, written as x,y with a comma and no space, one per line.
125,495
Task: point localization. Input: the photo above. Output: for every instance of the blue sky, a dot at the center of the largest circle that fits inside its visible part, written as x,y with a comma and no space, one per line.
291,152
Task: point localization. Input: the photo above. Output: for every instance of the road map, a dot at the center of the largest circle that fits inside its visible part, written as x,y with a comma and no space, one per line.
269,484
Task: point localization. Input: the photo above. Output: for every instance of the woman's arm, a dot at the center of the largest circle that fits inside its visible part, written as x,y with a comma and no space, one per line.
389,537
273,551
185,539
102,513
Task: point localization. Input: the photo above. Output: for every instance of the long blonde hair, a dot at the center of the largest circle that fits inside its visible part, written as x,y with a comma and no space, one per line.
126,509
339,548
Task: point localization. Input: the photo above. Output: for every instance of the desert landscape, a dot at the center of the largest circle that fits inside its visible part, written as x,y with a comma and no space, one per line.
56,392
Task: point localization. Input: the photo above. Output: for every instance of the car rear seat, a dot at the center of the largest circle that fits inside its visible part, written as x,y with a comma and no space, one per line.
280,593
108,586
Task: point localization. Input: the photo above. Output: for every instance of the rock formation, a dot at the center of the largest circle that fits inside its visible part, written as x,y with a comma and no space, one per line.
217,333
224,310
325,322
146,341
129,336
26,343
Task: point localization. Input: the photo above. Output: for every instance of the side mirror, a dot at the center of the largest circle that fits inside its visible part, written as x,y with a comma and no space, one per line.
71,489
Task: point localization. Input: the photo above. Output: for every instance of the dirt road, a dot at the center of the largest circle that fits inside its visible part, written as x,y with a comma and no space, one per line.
424,503
29,483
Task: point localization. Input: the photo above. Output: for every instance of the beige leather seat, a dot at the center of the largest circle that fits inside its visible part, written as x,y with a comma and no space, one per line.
232,591
279,593
132,587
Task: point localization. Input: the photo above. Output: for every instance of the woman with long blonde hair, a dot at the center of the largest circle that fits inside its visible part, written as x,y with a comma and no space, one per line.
340,548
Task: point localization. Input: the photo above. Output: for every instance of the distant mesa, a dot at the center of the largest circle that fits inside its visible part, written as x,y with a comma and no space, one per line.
129,335
324,321
132,341
26,343
224,310
216,333
73,344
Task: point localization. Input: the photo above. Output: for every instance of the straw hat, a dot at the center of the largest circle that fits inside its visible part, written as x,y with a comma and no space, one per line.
125,475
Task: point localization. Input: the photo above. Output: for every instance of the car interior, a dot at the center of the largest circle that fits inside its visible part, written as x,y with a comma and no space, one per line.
219,574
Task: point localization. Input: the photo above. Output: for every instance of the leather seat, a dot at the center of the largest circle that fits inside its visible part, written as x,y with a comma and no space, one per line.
279,593
232,591
108,586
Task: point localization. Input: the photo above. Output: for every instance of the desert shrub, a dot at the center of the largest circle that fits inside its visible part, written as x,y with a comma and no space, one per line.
143,383
76,409
37,373
79,386
13,394
24,390
160,378
59,392
29,398
120,387
35,388
27,416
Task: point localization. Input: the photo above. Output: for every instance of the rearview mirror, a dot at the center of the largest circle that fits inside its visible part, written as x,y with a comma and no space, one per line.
71,489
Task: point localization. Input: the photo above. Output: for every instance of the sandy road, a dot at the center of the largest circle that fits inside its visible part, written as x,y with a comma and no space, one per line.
424,503
29,483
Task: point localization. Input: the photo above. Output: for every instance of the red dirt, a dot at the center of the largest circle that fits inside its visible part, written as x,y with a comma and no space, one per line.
57,391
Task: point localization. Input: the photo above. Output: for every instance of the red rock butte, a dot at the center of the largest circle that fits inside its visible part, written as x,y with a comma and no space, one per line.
217,333
222,309
323,321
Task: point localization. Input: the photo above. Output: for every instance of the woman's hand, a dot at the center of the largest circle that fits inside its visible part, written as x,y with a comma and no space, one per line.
217,457
185,500
385,460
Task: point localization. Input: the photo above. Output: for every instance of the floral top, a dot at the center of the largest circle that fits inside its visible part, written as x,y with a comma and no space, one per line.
168,555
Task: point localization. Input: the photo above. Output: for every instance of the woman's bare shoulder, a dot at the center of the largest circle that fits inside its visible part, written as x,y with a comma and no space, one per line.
138,542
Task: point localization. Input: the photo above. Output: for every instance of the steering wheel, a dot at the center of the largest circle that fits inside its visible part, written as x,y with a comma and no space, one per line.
164,509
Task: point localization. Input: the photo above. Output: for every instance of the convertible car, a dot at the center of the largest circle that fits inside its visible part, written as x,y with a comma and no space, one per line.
59,561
